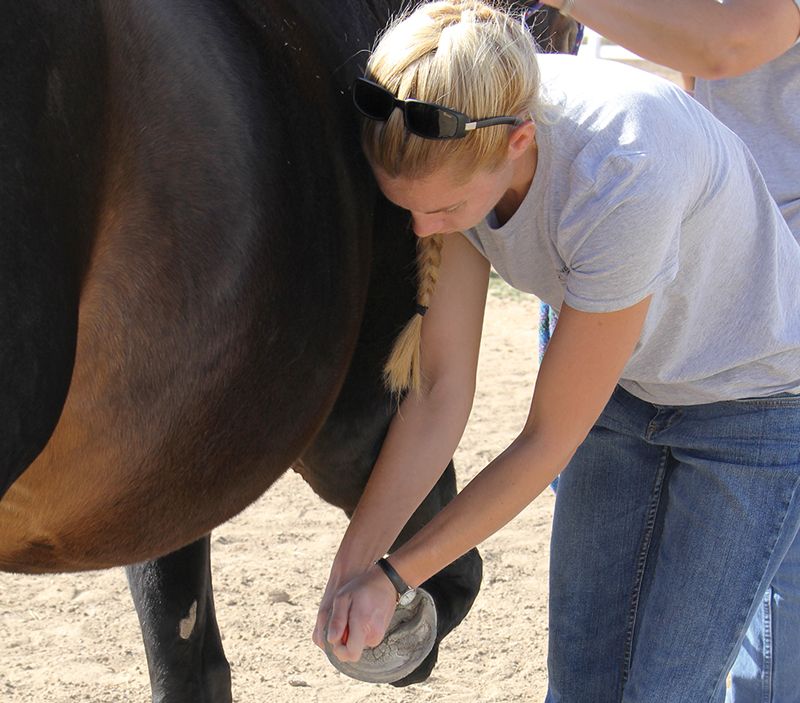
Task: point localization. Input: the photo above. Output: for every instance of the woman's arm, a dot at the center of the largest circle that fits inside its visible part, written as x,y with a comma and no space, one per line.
705,38
580,369
427,428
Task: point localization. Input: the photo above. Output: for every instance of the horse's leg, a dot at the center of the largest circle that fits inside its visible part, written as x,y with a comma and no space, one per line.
455,587
175,603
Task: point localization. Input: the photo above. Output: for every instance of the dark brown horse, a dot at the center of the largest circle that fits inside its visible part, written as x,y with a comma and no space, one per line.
200,284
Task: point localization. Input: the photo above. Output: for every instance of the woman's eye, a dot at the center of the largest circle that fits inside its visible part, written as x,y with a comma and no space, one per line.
454,208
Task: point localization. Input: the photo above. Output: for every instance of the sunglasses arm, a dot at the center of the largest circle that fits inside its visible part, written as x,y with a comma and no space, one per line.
492,121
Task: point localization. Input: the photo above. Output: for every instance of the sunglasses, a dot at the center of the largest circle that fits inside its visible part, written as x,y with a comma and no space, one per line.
427,120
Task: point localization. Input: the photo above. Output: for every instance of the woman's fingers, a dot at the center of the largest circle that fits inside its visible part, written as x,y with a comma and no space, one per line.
323,615
338,620
347,629
378,624
357,617
369,612
319,628
361,631
339,575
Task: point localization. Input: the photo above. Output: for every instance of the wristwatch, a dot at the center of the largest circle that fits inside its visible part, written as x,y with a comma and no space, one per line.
405,594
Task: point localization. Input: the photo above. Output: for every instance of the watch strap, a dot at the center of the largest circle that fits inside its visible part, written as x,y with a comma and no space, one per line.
391,573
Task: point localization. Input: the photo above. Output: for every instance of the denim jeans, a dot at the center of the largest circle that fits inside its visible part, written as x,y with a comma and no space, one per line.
767,669
670,524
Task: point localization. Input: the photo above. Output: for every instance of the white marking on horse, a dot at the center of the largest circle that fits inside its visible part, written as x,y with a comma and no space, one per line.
186,626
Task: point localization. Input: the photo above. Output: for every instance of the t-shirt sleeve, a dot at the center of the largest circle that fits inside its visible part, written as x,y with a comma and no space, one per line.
473,238
619,232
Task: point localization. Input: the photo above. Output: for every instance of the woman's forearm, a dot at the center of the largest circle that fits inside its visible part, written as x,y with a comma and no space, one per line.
421,441
491,500
706,38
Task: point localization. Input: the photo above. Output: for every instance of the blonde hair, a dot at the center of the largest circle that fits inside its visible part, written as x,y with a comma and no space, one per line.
471,57
402,370
465,55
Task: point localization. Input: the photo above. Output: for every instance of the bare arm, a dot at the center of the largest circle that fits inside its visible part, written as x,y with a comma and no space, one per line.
427,428
579,372
705,38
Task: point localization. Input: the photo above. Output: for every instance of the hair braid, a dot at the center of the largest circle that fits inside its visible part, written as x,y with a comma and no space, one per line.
467,55
402,371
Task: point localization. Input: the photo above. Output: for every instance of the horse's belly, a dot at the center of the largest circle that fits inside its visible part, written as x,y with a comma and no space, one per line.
91,503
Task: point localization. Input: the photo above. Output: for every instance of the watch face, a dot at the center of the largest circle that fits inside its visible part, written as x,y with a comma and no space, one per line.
406,598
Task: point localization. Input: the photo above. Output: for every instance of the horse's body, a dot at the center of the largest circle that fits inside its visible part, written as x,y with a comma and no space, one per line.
192,301
223,220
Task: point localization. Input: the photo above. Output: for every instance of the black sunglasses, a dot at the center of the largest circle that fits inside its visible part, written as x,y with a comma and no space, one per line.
427,120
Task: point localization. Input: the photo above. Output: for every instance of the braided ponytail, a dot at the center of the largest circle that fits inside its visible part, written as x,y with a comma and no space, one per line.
402,371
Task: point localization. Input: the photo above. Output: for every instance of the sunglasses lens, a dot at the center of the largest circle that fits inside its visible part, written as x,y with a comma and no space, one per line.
373,101
430,121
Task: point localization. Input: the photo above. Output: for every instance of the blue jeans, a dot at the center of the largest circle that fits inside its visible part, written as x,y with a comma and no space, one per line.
767,669
670,523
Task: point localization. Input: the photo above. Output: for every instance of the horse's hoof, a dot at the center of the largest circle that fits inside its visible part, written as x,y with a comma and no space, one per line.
409,639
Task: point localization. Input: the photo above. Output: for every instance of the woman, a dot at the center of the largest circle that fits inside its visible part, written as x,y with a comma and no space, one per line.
622,203
745,56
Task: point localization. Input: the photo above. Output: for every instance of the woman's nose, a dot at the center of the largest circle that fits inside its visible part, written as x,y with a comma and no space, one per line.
426,225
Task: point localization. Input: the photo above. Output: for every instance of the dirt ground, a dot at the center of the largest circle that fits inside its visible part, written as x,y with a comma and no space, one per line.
76,638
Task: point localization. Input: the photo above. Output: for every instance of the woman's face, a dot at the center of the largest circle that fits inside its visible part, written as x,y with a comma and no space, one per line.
440,203
443,203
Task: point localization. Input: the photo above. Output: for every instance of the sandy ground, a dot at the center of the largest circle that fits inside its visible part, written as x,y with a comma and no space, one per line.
76,638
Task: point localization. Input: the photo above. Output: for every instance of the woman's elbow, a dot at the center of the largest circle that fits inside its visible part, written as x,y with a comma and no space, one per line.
452,391
716,66
729,56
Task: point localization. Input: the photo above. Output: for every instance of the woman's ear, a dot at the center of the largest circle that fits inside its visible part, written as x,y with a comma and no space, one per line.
521,139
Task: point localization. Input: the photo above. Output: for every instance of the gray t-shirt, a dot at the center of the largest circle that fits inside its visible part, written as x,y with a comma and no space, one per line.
763,108
639,191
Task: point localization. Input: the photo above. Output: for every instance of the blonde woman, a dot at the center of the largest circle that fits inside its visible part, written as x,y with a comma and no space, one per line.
672,409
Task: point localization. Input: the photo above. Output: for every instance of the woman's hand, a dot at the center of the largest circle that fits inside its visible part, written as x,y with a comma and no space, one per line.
357,615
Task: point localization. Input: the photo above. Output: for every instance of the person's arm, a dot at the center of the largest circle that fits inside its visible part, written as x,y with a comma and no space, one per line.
427,428
705,38
579,371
